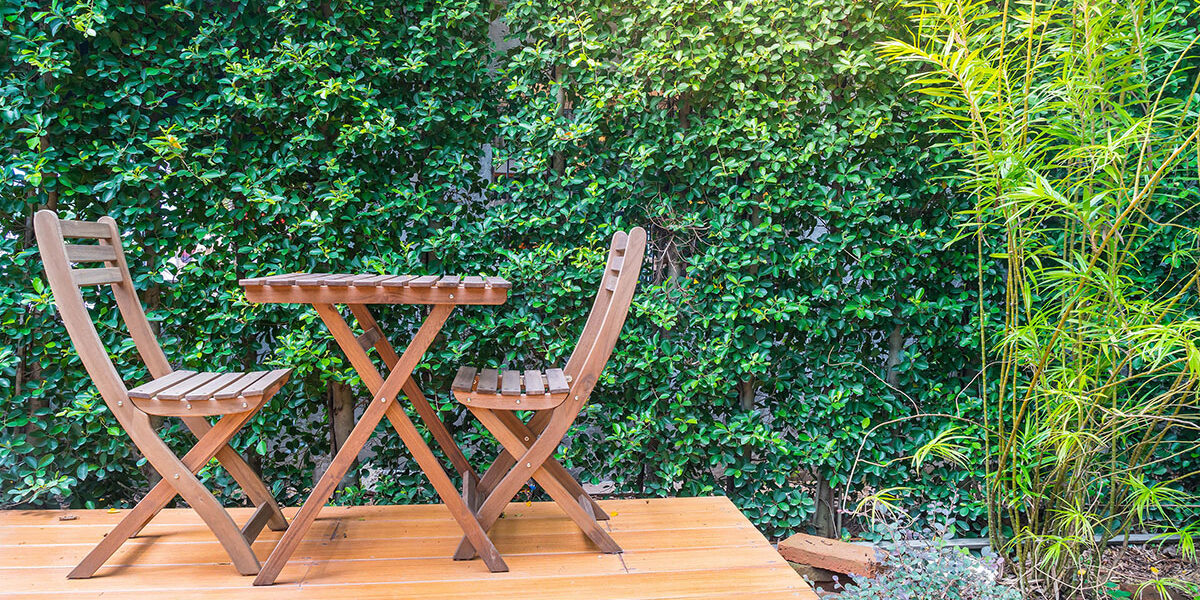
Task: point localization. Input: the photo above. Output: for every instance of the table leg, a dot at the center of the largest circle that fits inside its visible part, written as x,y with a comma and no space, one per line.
403,425
382,400
446,441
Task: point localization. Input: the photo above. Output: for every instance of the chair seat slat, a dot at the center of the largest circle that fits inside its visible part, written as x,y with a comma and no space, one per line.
616,264
207,390
464,380
180,390
96,276
423,281
556,381
474,281
487,381
449,281
234,389
90,253
271,379
533,382
511,384
148,389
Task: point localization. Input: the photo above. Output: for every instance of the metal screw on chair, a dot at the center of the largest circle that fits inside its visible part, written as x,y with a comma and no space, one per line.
518,400
451,296
120,403
527,438
243,405
189,407
177,476
528,466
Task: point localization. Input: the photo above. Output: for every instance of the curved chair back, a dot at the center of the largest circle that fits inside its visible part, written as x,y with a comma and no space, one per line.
65,283
609,310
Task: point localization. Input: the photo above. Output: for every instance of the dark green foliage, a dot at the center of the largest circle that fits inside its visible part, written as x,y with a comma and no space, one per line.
799,231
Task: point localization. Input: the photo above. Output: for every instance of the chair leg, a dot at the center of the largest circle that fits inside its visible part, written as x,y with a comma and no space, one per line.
178,479
530,465
505,461
552,466
514,437
256,490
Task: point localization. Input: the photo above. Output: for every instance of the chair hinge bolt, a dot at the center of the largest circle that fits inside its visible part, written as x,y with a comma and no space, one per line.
177,476
528,466
120,403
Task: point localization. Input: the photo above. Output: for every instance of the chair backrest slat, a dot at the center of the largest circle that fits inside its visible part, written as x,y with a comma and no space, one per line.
609,310
65,282
90,253
110,275
599,306
84,229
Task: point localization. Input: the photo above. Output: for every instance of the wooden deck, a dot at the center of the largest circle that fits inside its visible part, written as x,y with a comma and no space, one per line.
698,548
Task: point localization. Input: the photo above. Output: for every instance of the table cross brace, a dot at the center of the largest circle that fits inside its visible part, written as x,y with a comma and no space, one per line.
384,403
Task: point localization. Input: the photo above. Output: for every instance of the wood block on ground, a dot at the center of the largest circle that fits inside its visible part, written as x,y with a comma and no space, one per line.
832,555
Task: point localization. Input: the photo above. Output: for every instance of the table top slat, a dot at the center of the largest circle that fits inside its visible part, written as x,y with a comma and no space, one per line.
371,280
398,281
340,280
308,279
499,282
423,281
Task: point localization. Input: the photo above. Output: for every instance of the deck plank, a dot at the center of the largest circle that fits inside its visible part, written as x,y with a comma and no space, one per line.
695,548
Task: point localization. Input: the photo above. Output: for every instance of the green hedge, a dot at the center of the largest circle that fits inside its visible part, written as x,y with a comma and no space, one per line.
800,290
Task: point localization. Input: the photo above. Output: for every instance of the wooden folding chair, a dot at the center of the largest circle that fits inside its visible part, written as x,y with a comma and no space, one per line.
192,396
556,397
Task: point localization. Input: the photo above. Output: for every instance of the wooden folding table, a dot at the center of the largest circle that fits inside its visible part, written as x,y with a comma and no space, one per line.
325,291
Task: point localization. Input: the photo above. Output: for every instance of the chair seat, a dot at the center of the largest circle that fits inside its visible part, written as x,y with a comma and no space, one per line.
188,393
510,390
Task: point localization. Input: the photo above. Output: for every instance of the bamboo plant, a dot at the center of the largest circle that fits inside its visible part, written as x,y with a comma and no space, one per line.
1075,129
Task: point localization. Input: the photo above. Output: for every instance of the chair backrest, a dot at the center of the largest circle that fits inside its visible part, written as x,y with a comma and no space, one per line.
609,310
66,281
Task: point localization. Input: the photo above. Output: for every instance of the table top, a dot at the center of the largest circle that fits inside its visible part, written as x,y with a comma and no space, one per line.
371,288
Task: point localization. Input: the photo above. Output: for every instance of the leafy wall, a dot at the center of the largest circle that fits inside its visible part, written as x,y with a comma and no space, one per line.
802,286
